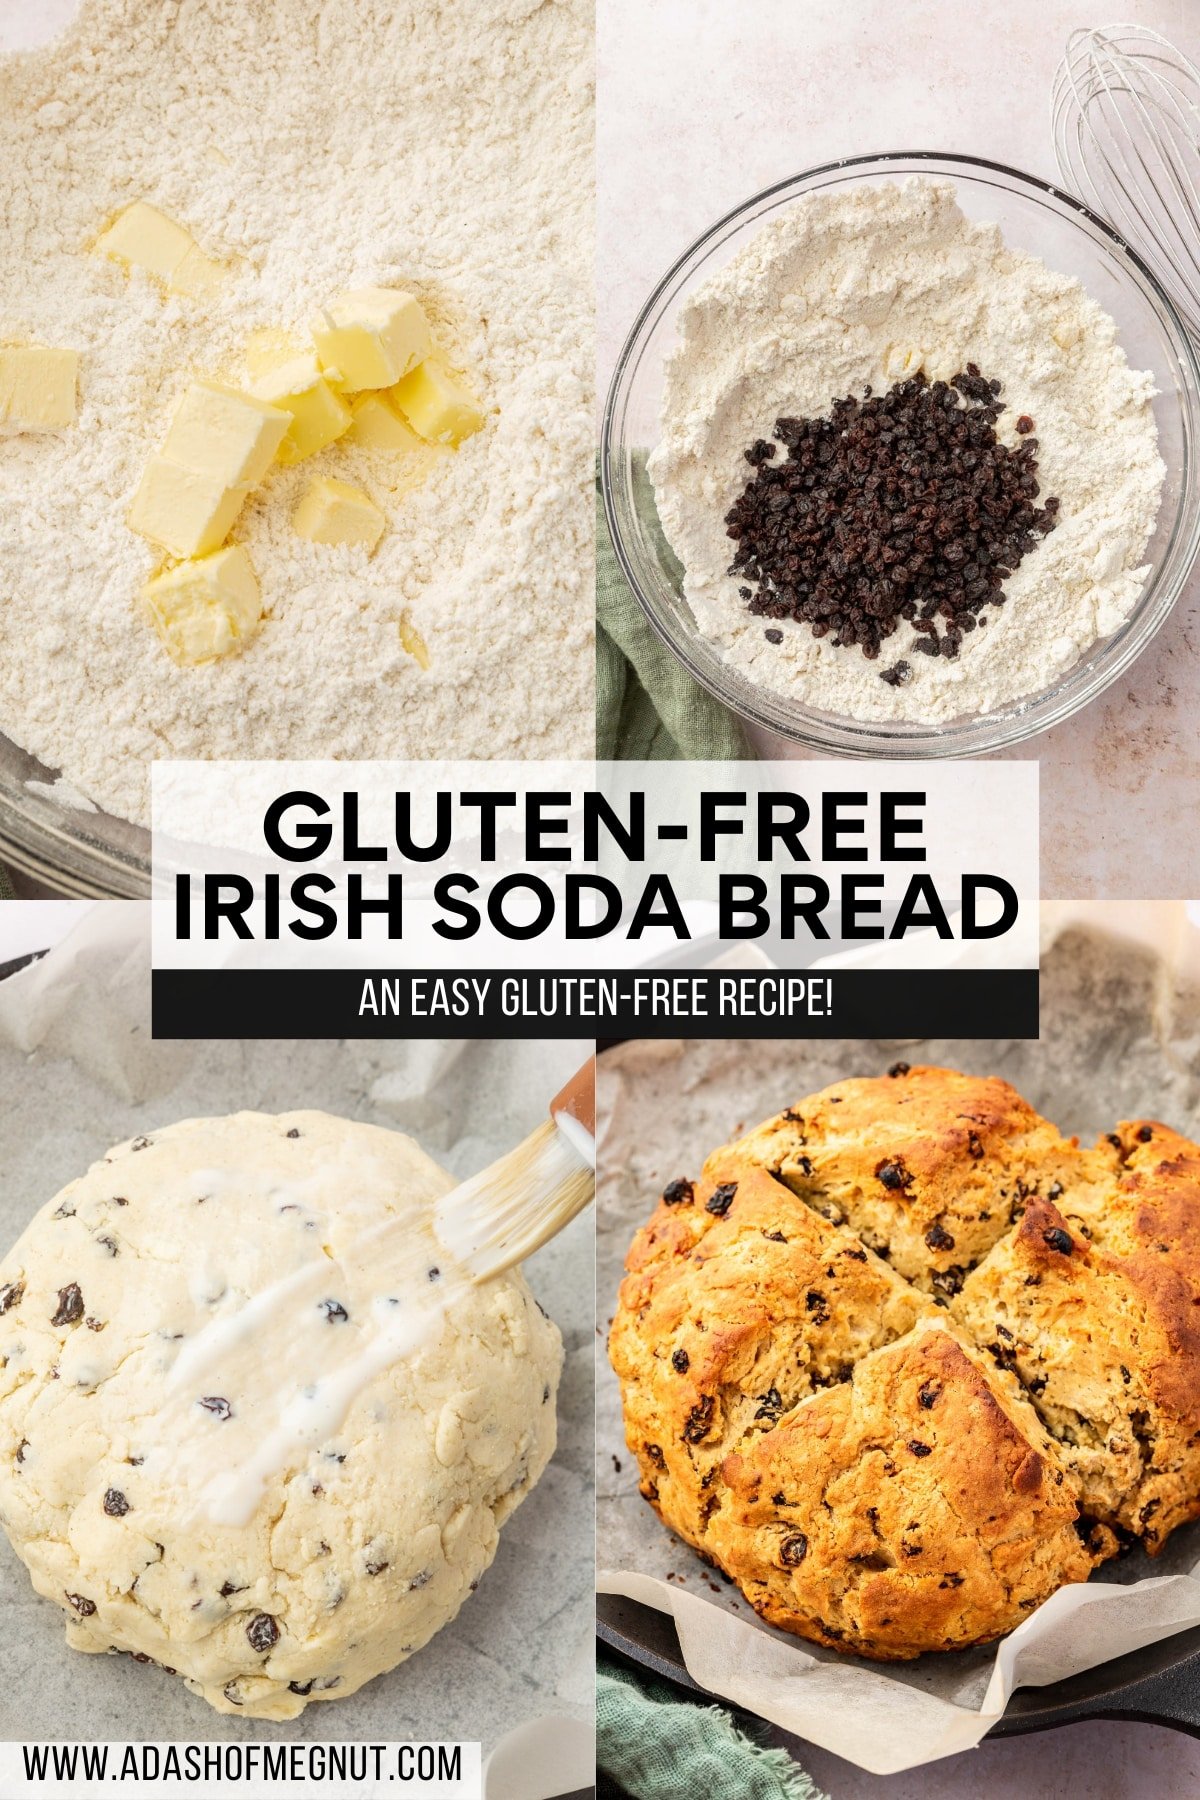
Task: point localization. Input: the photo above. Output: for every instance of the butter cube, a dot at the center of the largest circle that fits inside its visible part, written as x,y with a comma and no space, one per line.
221,432
198,276
412,641
37,388
319,416
435,406
189,513
371,337
378,426
268,350
333,512
144,238
206,608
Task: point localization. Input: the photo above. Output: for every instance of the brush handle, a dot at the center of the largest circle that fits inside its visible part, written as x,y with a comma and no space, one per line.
578,1098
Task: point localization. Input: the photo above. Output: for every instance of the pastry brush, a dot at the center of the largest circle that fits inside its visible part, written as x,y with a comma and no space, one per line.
497,1218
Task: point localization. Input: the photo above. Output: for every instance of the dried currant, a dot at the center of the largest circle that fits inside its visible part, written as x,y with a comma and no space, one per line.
70,1305
903,506
263,1633
699,1420
721,1199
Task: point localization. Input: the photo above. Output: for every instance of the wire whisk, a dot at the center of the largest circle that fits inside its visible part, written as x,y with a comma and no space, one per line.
1125,114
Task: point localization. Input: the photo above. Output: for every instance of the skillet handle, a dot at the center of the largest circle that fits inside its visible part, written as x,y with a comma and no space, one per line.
1171,1697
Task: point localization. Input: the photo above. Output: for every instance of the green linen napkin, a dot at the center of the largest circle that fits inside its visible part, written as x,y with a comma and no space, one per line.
6,886
647,705
658,1747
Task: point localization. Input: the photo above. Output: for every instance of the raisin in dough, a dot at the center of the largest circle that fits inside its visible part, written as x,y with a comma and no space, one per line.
162,1477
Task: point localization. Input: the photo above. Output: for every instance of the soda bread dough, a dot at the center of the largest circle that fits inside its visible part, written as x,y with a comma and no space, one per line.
212,1452
313,146
864,286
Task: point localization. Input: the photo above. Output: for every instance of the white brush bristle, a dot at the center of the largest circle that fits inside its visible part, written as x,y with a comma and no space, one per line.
502,1215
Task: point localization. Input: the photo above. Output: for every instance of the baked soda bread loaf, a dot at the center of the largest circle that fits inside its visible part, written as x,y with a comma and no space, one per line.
904,1360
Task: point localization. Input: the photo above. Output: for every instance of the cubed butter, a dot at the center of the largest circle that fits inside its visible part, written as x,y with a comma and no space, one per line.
269,349
371,337
222,432
436,407
144,238
187,512
319,416
206,608
377,425
37,388
333,512
412,641
198,276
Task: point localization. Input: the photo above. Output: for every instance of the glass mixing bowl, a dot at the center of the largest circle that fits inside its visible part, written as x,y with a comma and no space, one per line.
1032,216
65,848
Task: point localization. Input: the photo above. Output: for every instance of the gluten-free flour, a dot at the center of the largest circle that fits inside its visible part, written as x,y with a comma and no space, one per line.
316,146
866,286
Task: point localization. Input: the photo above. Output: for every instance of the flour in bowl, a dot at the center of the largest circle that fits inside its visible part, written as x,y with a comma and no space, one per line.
315,146
864,288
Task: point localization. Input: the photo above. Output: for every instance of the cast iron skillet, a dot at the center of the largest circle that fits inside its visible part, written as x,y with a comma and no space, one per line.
1159,1684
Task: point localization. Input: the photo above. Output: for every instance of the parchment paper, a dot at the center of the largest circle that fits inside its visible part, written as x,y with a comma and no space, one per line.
1119,1040
78,1073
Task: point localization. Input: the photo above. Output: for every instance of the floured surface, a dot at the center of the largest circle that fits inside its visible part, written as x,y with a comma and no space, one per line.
521,1646
860,288
1117,1040
322,145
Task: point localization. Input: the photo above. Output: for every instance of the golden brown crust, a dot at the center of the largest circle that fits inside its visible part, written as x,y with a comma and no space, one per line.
776,1371
928,1166
729,1317
1097,1309
860,1522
